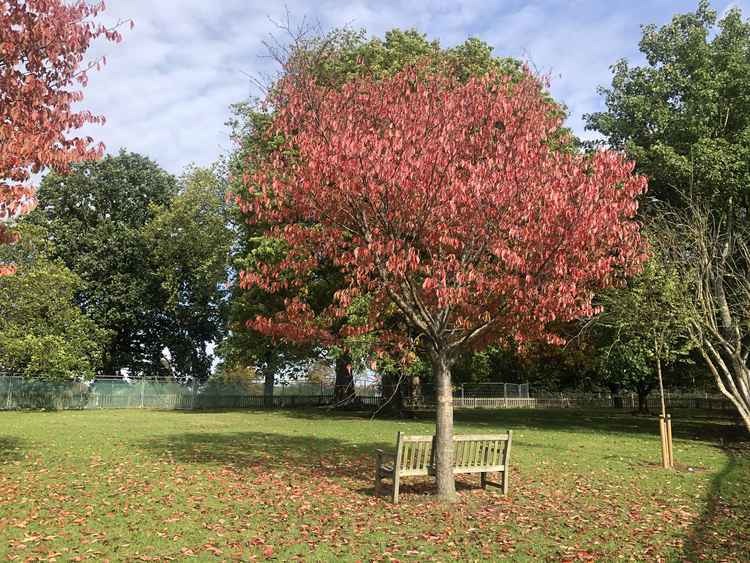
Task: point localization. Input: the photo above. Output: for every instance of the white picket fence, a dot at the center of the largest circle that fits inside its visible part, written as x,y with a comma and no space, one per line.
493,403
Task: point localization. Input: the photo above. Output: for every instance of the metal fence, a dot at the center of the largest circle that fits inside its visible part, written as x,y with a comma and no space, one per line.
493,390
677,400
628,403
17,393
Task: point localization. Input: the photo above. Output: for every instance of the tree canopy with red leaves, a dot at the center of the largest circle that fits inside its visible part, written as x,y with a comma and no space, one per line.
447,203
42,47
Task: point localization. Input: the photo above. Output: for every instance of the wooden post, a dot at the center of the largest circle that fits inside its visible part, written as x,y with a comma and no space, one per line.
665,422
506,463
670,449
663,436
397,467
378,463
10,393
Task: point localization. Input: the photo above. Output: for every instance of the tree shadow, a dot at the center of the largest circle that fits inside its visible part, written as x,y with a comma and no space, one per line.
424,486
10,449
305,455
723,531
243,451
687,424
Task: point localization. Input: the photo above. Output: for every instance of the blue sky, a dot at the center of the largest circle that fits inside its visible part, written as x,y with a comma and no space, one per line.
166,89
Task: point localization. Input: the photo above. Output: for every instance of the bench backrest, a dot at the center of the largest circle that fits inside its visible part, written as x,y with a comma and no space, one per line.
472,453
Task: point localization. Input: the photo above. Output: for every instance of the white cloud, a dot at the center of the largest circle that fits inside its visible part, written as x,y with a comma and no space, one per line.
167,87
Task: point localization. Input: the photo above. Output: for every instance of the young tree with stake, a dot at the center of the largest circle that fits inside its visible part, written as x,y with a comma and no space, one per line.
649,324
448,203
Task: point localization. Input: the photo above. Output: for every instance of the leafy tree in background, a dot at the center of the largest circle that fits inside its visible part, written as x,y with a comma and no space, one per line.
190,239
96,218
624,364
443,200
43,333
643,327
243,349
684,116
499,362
42,45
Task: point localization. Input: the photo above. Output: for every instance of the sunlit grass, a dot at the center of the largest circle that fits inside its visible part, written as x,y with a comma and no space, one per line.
145,484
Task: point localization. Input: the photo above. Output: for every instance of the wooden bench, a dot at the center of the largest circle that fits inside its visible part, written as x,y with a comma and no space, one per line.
473,453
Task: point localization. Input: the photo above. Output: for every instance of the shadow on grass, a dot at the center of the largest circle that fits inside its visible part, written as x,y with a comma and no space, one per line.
306,456
262,450
10,449
423,486
723,531
687,424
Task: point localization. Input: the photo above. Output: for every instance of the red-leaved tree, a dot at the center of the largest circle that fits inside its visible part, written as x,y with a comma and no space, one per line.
450,203
42,45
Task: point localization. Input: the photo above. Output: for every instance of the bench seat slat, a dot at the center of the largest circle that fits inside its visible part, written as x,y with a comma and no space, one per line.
479,437
416,438
474,448
481,469
463,460
426,454
415,472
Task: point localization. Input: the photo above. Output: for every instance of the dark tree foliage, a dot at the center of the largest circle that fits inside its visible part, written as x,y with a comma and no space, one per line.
95,217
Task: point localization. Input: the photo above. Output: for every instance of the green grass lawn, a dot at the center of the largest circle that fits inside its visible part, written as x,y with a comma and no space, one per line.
147,485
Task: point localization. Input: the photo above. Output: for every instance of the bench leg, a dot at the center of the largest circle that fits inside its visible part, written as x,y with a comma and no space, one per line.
505,481
396,483
377,475
483,479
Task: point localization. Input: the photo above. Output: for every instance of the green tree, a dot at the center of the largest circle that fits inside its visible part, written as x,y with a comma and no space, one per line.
643,327
95,217
684,116
43,333
190,239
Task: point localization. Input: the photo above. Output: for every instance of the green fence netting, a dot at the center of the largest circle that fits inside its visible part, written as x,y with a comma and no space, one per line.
17,393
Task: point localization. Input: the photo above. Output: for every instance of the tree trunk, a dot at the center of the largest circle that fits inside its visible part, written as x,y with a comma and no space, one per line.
268,389
615,389
446,484
343,391
108,365
733,378
661,385
643,390
391,390
415,391
642,400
